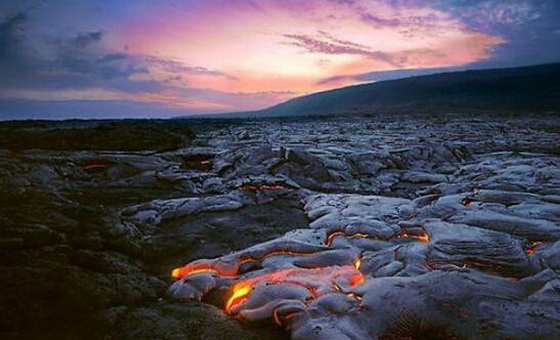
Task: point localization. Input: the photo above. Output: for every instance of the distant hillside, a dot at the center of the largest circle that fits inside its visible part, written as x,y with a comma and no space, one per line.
532,88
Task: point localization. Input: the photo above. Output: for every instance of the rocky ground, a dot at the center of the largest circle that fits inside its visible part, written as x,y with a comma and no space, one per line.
360,228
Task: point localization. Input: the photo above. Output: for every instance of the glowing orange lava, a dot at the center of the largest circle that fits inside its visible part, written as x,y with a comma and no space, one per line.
334,235
532,248
318,281
177,273
192,269
357,280
466,202
354,296
224,269
424,238
358,263
240,293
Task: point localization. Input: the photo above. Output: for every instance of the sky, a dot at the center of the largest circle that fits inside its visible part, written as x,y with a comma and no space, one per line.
166,58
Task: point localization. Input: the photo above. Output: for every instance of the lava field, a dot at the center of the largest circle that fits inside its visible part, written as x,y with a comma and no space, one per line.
363,228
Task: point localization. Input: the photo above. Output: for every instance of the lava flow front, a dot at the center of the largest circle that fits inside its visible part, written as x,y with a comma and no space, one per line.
272,281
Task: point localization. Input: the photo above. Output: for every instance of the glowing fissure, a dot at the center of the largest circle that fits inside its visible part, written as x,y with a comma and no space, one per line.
187,270
263,187
95,166
176,273
224,270
423,237
467,202
533,247
358,263
240,293
332,236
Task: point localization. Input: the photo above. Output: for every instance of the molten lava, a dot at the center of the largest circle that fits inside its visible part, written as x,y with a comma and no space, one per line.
178,273
424,237
192,269
358,263
318,281
533,247
466,202
240,294
332,236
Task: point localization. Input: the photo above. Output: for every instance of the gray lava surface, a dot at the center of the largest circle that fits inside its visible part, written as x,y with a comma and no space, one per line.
359,228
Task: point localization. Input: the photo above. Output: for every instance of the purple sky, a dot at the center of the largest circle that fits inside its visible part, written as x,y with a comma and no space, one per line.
147,58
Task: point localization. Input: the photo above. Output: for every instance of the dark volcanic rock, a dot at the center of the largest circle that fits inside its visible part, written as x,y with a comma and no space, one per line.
181,321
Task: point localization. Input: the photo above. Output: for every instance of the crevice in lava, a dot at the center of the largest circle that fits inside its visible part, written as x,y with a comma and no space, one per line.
532,248
264,187
416,234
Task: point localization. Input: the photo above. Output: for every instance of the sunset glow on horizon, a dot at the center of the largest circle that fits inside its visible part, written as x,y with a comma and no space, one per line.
217,56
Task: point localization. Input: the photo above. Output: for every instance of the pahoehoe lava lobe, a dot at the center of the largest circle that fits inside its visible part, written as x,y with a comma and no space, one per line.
363,228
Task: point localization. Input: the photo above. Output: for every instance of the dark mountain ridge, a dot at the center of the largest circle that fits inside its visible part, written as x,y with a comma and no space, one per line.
530,88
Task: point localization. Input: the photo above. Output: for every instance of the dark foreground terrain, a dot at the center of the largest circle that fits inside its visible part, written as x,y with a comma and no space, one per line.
370,227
